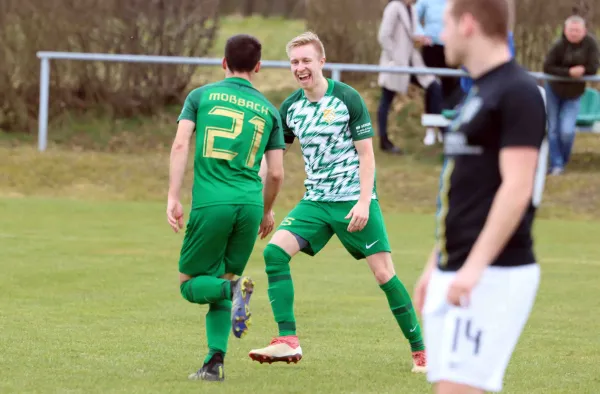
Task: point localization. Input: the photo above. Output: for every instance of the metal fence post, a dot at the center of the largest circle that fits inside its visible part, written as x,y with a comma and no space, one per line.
44,101
336,74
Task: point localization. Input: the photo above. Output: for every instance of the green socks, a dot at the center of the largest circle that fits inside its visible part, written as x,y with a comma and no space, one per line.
218,327
217,293
402,309
206,290
281,288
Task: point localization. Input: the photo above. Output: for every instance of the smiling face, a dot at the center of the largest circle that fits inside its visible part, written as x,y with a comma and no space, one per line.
307,58
307,65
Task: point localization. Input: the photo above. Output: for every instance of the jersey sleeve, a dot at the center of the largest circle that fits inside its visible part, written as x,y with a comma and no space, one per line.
288,134
190,106
276,139
523,116
360,120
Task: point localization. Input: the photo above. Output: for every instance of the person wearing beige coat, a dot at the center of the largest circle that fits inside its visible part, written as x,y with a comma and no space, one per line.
397,39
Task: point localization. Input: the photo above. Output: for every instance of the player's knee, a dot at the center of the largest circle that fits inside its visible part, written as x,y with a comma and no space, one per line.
187,292
184,288
383,276
276,259
382,267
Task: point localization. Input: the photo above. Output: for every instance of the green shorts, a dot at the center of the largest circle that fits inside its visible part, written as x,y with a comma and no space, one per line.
219,239
316,222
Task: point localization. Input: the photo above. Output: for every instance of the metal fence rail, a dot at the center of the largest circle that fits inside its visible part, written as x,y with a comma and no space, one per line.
335,68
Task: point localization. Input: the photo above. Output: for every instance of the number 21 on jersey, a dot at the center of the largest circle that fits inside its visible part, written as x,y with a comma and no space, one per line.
237,117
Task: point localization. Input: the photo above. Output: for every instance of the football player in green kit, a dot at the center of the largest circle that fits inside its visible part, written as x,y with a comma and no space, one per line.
331,122
234,126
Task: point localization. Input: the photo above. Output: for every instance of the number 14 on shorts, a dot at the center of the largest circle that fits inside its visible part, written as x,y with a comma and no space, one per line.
466,339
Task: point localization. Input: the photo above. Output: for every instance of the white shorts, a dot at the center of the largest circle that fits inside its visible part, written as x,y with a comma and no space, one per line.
472,345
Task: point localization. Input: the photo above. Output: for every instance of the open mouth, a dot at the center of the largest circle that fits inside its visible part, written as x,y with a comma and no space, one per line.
304,78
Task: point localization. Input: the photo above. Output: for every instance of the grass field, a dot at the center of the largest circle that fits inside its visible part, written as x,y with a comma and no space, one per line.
90,304
89,297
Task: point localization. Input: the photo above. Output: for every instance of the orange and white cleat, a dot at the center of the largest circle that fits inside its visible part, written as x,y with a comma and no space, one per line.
419,362
281,349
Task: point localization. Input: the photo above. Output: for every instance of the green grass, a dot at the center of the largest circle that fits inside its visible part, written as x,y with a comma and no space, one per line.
90,299
90,304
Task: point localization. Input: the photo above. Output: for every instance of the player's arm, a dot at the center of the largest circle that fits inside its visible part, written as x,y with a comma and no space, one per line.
523,120
179,156
273,177
181,145
178,160
361,130
263,164
366,169
272,174
362,135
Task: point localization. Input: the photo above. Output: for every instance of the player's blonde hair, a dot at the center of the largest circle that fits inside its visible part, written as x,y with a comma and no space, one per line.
304,39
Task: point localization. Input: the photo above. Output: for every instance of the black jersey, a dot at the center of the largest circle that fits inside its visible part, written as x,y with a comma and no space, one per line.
504,108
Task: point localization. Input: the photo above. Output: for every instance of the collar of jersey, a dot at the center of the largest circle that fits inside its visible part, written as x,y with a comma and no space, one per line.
239,80
330,84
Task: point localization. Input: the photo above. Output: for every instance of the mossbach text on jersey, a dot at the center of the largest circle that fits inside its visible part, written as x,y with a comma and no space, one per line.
239,101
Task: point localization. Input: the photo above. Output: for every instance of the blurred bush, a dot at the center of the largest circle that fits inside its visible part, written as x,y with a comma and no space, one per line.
289,9
348,29
149,27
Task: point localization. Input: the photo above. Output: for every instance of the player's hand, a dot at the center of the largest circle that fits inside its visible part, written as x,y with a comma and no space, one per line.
267,224
459,293
359,216
577,71
175,214
421,291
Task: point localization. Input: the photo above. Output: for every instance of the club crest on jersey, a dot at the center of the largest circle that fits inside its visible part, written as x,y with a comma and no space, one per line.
328,115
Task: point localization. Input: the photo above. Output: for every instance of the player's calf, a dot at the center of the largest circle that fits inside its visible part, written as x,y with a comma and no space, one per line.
400,305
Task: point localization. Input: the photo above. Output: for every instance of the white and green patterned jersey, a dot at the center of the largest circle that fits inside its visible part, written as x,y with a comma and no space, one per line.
327,130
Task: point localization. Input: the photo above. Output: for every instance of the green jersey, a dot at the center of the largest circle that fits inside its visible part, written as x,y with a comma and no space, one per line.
235,125
327,130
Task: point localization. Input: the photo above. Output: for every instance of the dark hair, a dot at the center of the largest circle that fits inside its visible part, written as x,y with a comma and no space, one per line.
242,53
492,15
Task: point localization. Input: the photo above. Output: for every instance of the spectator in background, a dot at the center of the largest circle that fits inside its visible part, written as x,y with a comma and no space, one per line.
431,12
396,35
574,55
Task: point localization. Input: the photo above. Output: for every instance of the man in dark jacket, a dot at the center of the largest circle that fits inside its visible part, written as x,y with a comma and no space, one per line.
574,55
